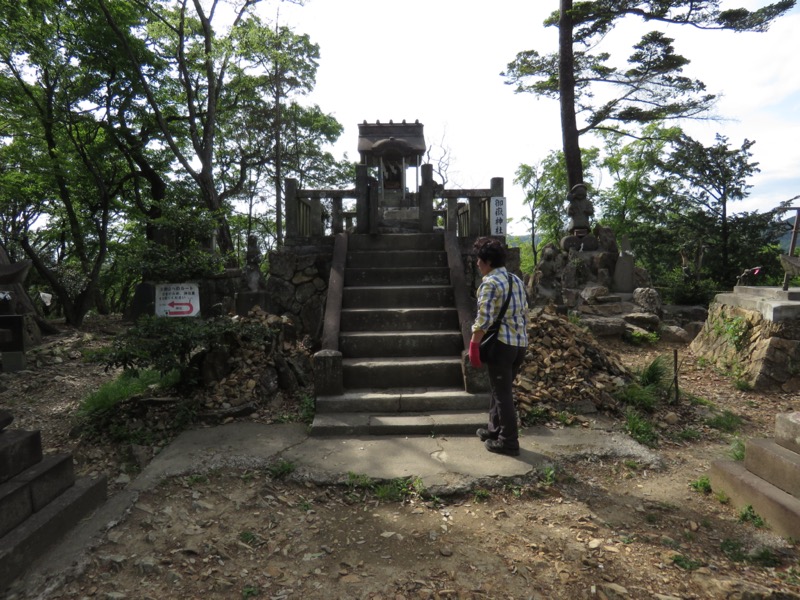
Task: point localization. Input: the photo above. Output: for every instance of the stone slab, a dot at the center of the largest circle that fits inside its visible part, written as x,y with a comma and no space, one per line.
770,292
37,534
775,464
15,505
6,418
771,309
19,450
787,430
48,479
781,511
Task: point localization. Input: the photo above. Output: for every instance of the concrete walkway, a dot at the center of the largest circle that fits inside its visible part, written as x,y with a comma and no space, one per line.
446,465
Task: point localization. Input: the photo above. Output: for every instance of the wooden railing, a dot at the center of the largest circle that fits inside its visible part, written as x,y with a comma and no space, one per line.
466,213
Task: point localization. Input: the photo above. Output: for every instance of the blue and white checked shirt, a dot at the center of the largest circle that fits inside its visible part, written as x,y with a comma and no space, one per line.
491,295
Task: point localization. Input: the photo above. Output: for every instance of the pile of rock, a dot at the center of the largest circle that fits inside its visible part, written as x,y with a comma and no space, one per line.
248,376
566,368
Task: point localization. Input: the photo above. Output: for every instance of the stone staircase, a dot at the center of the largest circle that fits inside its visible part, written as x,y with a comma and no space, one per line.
769,477
401,343
40,499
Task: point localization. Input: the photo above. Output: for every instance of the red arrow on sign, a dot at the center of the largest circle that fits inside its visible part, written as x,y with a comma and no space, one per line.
187,311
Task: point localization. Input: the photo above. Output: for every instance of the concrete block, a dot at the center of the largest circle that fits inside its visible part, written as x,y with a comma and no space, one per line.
48,479
15,505
780,510
6,418
340,424
13,362
787,430
774,464
31,539
19,450
328,376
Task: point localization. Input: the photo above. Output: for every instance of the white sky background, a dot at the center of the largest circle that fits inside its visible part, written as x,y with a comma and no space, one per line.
439,61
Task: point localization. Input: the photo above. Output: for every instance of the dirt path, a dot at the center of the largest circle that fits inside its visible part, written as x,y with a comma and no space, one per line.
585,530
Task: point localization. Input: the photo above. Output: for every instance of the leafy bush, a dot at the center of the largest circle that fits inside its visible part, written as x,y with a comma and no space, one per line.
683,290
168,345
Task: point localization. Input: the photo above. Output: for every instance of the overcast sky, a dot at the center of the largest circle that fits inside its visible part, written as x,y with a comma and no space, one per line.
439,61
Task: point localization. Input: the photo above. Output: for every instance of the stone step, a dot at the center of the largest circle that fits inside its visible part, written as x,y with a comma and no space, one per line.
780,510
787,430
402,258
402,400
395,242
429,423
32,538
400,343
770,308
398,319
34,488
394,296
383,373
770,292
19,450
396,276
774,464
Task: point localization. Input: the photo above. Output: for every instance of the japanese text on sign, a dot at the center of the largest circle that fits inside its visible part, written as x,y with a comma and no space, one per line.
177,300
497,215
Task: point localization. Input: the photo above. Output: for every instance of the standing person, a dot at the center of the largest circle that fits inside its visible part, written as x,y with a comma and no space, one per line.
501,435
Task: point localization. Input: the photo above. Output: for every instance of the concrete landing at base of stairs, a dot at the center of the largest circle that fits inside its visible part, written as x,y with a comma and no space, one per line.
446,464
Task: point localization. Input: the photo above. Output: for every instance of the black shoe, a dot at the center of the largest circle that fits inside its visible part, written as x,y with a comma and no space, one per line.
499,447
485,434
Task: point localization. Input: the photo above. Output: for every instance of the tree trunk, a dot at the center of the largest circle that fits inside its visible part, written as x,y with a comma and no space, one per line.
566,89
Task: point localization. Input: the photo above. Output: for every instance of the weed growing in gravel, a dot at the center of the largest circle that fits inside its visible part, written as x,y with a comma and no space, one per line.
726,421
749,515
280,469
640,429
307,408
482,495
640,338
125,386
702,485
737,449
537,415
722,497
356,481
687,564
644,398
248,537
742,385
549,475
195,479
656,373
399,489
250,591
688,435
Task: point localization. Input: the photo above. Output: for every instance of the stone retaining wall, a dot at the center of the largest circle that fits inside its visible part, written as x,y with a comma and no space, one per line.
763,353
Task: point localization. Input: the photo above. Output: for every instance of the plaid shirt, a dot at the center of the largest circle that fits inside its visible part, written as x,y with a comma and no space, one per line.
491,295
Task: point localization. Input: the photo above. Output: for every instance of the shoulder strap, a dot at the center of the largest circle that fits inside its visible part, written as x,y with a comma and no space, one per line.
499,319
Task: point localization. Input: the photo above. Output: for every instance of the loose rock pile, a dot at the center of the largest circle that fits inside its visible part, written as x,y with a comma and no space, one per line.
264,377
566,368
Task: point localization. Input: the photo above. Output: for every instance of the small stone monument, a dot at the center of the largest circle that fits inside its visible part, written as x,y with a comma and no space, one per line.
253,290
623,270
580,212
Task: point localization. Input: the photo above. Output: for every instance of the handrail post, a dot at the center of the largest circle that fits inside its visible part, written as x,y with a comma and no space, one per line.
362,199
426,200
291,208
336,215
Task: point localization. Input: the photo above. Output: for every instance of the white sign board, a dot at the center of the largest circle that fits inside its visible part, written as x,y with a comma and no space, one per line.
177,300
497,216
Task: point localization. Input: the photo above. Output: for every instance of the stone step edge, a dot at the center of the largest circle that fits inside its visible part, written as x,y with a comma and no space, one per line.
428,423
402,402
781,511
36,535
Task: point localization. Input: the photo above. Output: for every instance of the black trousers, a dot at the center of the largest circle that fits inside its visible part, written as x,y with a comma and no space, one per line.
506,361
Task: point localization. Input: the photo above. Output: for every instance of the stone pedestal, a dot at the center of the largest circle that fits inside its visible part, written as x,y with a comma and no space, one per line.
328,375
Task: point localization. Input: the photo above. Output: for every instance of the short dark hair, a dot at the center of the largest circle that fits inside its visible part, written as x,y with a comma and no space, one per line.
491,251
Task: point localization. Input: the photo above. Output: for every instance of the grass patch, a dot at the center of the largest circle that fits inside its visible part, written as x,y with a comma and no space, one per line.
637,396
640,429
281,469
656,373
737,450
399,489
685,563
702,485
742,385
308,409
688,435
640,338
124,387
749,515
537,415
726,421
